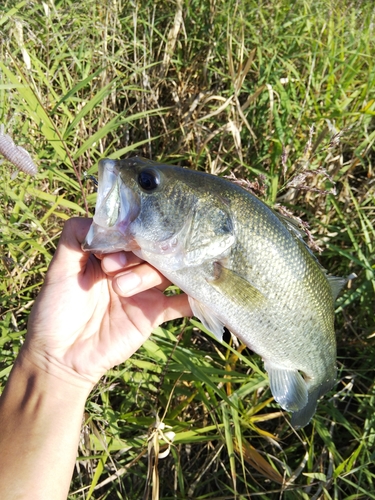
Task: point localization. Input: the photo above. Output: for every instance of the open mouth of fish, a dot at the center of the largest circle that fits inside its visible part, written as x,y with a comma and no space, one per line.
116,207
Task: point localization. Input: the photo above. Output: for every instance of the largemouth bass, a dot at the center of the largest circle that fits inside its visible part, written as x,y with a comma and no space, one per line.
242,266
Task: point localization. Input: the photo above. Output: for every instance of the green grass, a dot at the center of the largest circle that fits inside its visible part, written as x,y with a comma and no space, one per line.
278,93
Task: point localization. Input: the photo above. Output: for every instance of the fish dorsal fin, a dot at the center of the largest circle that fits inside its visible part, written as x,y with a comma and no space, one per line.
294,228
337,283
291,224
236,289
207,317
287,386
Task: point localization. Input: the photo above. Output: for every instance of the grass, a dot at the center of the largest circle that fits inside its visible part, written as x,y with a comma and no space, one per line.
278,93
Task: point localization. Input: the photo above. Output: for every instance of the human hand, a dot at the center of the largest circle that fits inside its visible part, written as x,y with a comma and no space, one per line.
87,317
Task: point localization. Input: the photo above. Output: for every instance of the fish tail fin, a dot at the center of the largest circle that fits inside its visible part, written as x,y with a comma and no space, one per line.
302,417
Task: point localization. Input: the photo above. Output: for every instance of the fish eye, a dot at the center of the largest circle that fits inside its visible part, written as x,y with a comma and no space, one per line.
149,179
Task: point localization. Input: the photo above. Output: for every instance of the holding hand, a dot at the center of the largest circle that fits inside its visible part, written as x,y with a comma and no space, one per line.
90,315
86,318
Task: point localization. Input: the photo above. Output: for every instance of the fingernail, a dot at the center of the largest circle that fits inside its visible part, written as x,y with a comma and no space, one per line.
114,262
128,282
122,259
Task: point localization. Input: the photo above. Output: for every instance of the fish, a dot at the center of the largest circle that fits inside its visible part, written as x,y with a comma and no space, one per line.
242,265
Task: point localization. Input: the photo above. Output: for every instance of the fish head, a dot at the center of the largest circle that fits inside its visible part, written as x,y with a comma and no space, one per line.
140,205
116,207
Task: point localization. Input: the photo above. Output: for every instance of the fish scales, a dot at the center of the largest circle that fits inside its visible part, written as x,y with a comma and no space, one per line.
241,265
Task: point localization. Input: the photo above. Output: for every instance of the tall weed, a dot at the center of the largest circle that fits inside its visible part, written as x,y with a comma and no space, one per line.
278,93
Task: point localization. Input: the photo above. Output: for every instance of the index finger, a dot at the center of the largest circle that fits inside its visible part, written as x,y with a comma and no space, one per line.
112,263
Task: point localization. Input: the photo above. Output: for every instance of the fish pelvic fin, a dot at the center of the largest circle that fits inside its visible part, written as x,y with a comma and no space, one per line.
288,387
207,317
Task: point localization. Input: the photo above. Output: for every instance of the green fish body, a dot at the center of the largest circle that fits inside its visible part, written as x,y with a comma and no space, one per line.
242,266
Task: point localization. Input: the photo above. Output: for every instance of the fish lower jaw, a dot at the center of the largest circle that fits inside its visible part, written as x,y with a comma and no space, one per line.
107,240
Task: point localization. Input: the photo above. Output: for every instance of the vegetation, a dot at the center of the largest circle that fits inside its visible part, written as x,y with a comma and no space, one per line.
279,93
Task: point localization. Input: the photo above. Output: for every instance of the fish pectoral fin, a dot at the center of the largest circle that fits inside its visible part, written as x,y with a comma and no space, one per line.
236,289
288,387
210,238
207,317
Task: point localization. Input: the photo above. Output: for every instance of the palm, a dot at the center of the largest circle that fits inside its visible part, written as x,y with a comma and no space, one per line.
79,322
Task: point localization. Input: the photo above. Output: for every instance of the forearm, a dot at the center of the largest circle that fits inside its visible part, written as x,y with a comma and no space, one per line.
40,421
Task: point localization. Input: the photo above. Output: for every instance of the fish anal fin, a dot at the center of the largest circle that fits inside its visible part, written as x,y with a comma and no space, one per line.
288,387
235,288
207,317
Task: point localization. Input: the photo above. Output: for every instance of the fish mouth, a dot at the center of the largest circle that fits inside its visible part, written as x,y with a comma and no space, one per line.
116,208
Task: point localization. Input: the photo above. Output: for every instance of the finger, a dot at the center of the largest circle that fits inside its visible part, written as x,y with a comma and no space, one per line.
113,263
69,251
152,308
75,231
176,306
139,279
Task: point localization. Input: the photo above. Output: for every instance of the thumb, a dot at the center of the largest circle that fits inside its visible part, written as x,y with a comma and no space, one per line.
69,257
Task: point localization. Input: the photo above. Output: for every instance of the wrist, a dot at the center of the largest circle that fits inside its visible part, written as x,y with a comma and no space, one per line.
41,411
56,378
